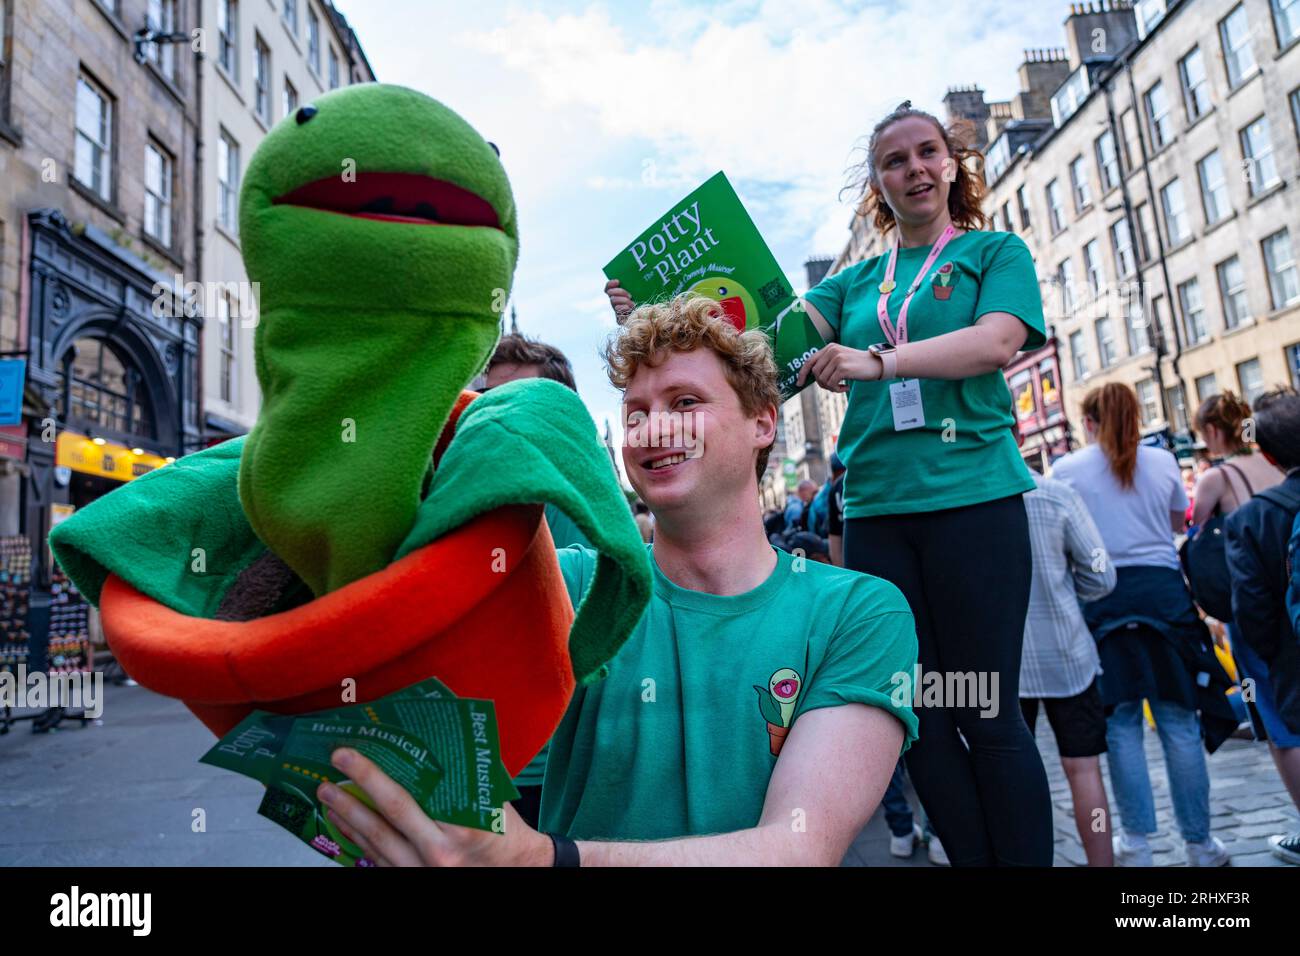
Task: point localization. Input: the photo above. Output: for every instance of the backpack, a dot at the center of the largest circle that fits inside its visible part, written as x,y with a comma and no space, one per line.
1205,561
1293,577
1290,502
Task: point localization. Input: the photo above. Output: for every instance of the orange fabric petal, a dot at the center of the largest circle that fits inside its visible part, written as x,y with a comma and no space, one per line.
447,610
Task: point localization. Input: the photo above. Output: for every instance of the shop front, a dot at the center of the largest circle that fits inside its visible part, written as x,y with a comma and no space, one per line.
1035,382
111,394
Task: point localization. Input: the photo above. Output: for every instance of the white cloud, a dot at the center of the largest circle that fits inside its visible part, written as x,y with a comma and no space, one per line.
771,91
598,311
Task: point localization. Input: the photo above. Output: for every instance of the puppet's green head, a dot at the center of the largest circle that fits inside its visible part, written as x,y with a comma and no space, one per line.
379,194
379,229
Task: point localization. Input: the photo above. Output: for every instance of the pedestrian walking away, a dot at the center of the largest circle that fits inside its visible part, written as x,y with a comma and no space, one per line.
1238,476
1152,643
1060,665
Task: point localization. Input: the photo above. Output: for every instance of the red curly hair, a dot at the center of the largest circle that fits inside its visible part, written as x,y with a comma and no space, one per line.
966,193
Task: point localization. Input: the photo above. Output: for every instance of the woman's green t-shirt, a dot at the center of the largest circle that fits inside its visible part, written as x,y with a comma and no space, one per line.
966,452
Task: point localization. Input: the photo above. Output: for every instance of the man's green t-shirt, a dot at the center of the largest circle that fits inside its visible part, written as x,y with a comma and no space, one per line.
566,534
564,531
966,452
681,737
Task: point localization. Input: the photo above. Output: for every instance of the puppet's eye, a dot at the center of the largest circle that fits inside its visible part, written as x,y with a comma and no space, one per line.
304,114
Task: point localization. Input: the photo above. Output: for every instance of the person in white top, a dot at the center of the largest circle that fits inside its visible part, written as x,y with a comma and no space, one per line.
1138,520
1136,497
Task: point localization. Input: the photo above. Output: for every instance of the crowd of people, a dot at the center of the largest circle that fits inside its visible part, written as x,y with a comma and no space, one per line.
931,551
1155,649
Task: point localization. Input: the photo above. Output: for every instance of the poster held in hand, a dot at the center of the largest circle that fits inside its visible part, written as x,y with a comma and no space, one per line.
708,245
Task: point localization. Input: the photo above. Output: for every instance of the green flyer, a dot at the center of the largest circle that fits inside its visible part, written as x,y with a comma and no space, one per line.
305,763
441,749
708,245
253,747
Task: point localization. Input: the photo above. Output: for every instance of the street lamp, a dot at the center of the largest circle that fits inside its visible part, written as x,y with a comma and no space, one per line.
147,34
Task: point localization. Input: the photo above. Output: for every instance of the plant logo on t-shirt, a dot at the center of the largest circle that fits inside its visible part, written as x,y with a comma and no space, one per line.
944,281
776,704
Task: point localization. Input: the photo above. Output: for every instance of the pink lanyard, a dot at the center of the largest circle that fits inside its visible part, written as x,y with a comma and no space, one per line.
886,287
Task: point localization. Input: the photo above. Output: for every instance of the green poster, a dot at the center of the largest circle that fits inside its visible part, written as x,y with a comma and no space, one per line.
791,473
707,244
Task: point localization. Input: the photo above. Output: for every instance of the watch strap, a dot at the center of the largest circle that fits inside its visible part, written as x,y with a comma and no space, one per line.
888,356
566,851
890,362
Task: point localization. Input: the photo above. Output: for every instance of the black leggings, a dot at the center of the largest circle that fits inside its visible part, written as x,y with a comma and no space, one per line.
965,572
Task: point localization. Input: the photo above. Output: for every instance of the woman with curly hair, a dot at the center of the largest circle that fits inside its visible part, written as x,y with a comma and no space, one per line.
933,493
1238,473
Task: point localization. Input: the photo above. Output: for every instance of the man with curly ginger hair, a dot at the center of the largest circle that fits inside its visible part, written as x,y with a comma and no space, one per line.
672,759
752,717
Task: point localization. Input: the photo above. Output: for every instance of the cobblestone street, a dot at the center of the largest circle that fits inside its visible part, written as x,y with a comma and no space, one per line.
1248,803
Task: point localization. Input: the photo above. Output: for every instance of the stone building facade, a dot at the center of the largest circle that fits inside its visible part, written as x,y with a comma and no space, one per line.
1160,202
98,145
265,58
125,126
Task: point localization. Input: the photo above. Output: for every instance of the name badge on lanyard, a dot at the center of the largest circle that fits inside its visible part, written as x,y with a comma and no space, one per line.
905,396
905,399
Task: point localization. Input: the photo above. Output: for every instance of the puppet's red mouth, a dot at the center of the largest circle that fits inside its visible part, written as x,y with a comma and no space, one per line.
395,197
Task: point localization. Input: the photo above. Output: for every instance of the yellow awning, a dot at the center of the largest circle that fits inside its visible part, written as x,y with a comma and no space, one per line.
103,458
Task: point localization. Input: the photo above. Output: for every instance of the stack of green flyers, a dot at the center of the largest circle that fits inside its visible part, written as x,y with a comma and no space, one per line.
707,245
442,749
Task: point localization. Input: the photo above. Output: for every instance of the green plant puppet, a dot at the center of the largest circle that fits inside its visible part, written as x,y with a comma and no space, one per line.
332,544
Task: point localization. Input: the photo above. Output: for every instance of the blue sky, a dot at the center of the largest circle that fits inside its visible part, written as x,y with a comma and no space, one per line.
606,113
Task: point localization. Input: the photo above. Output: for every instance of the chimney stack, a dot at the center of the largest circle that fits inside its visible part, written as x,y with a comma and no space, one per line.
1099,29
816,269
967,103
1041,74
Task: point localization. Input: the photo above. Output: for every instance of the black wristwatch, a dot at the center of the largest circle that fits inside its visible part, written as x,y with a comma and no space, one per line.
566,851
